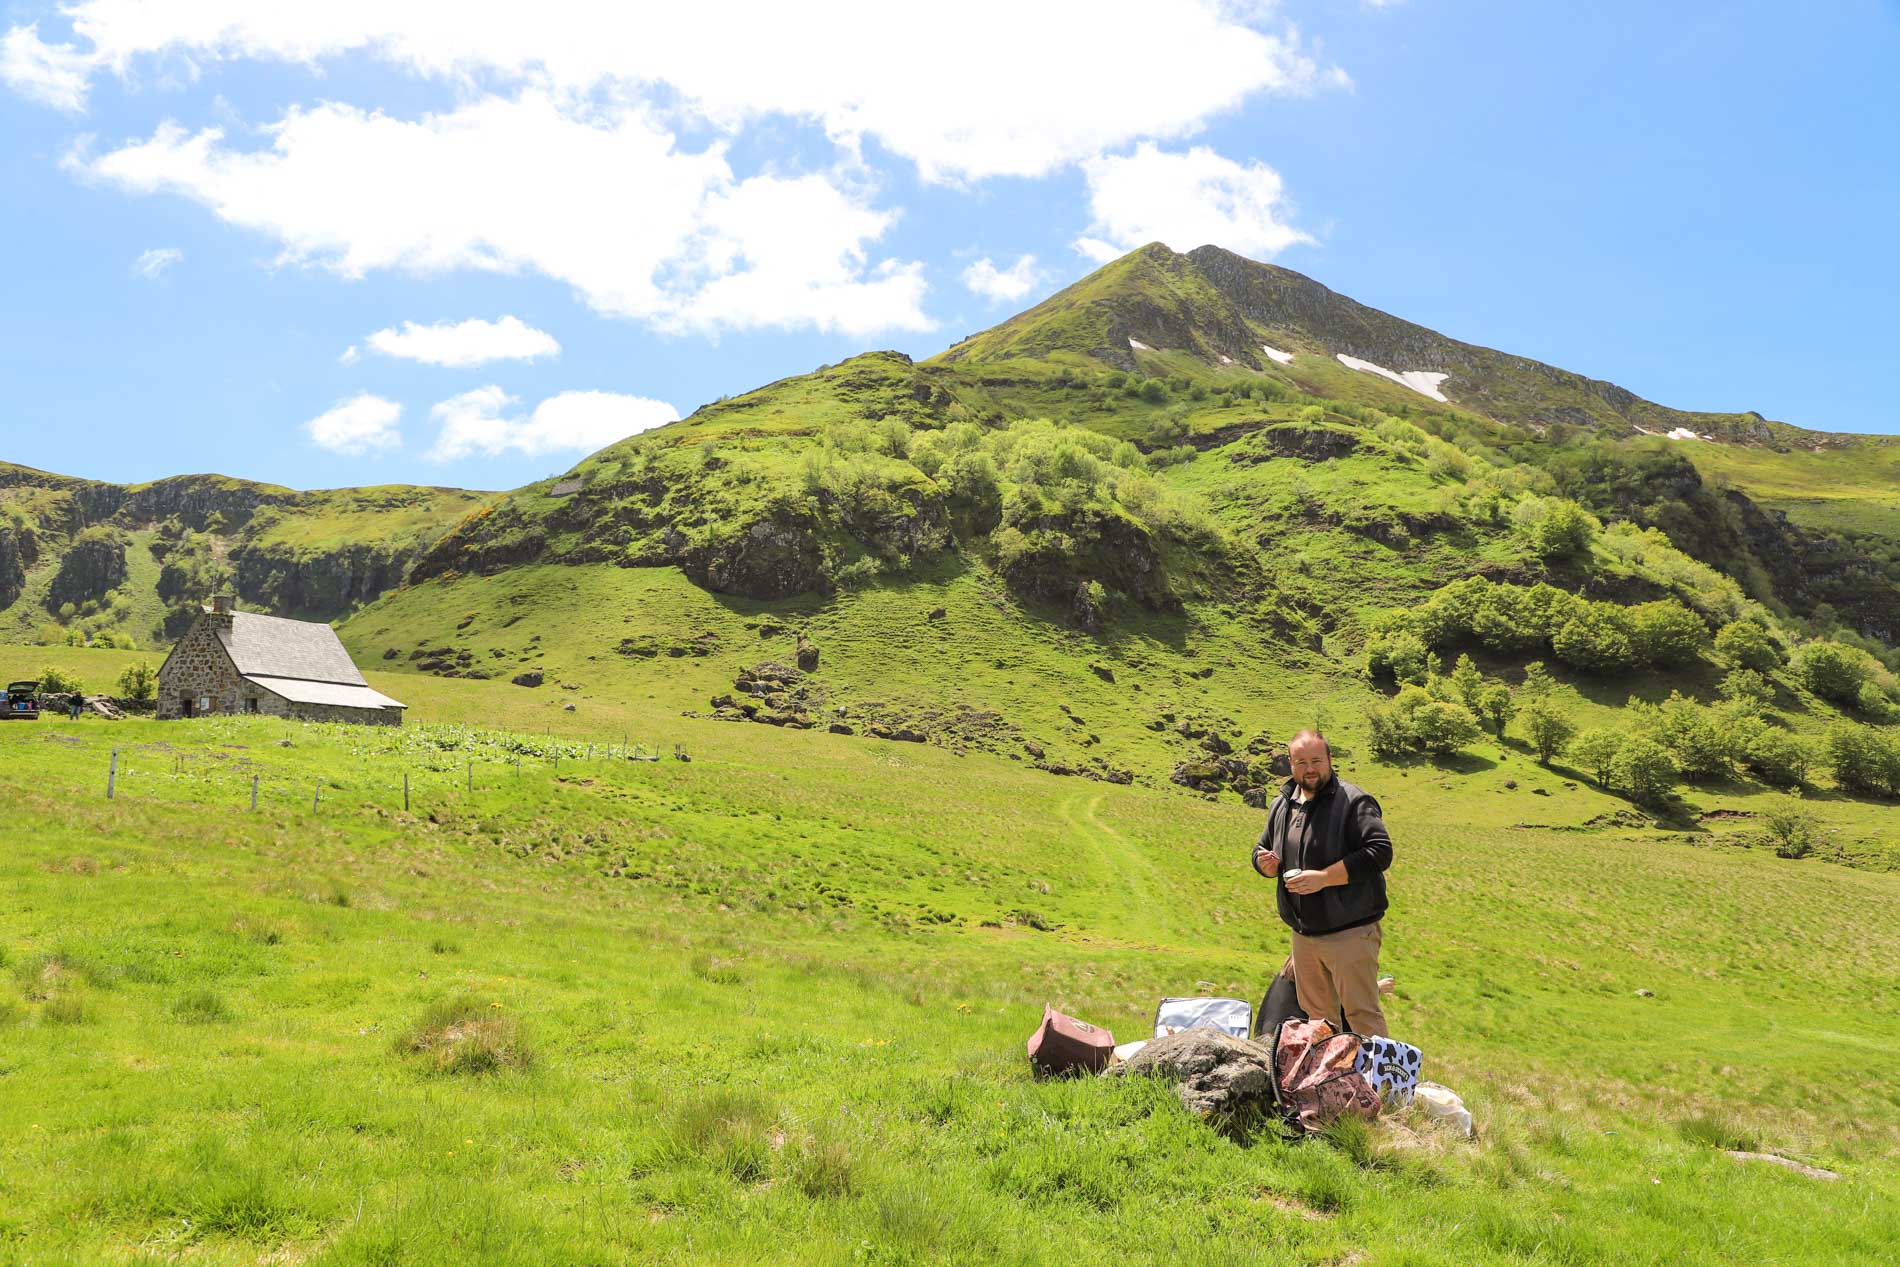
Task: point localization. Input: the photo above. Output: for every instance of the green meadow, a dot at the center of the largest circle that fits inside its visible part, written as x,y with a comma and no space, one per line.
767,1005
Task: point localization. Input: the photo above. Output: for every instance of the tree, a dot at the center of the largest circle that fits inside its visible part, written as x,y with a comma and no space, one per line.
1416,722
1778,758
1400,657
1643,769
1789,828
1832,670
1547,726
1874,703
1693,738
1555,526
1595,749
1498,705
1747,687
1666,632
1746,645
139,681
1596,638
1468,685
55,682
1864,760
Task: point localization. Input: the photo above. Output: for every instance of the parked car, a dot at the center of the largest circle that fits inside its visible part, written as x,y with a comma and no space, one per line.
23,702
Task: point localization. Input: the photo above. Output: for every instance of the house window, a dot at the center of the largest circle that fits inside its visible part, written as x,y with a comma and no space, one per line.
250,705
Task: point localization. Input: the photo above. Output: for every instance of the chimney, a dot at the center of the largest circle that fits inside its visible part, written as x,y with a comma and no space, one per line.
222,605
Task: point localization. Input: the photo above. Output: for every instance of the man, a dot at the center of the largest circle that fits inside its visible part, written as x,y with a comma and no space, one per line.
1327,847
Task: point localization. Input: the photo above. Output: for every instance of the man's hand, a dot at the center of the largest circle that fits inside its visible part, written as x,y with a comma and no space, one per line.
1305,882
1266,862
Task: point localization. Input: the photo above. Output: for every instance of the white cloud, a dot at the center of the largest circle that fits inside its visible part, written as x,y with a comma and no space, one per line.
897,74
361,424
1185,200
351,355
51,74
152,264
1002,284
477,422
465,344
602,200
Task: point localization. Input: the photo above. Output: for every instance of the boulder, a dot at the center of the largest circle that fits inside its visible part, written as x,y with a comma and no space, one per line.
807,653
840,728
1102,671
1220,1076
937,613
1216,745
532,677
1034,750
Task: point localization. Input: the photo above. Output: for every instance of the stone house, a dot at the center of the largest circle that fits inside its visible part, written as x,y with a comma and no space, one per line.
241,662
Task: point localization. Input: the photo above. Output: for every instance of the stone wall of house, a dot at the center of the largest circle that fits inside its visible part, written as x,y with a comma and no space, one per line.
199,669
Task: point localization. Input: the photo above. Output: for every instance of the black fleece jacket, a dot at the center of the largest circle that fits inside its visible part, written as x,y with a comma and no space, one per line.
1342,823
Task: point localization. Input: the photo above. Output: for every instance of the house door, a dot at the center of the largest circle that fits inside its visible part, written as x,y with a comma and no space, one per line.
184,706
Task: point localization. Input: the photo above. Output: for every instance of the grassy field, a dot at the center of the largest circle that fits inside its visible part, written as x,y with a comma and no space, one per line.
767,1006
1853,489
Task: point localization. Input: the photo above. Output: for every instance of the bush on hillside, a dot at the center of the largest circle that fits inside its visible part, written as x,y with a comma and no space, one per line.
1748,688
1701,745
1746,645
1401,658
1467,685
1415,721
1498,706
1864,759
1597,639
1875,704
1595,751
1833,671
1547,725
1790,829
1555,527
1665,632
1778,758
1643,770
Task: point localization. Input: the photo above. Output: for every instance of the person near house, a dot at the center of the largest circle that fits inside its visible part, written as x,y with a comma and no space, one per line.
1326,848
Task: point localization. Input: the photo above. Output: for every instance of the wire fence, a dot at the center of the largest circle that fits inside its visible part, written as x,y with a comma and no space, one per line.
403,775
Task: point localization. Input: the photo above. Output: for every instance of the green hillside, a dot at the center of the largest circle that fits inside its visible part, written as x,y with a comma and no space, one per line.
767,1006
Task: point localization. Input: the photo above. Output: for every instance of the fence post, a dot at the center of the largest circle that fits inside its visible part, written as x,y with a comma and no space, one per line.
253,793
316,798
112,774
405,791
471,776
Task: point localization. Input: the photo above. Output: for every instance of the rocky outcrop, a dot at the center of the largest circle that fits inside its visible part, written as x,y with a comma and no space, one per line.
323,584
19,549
807,653
94,566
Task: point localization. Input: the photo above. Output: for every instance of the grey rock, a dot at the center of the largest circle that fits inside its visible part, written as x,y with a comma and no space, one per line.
1219,1075
531,678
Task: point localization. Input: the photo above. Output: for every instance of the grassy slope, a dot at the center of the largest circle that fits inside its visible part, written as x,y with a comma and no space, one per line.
781,1033
1852,489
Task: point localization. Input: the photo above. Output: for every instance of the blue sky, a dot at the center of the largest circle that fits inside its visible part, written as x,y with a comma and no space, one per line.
367,242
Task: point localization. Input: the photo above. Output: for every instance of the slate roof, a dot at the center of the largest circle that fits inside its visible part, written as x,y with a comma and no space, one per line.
280,648
298,691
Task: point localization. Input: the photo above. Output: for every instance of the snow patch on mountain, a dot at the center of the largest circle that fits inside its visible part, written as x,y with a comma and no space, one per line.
1284,358
1425,384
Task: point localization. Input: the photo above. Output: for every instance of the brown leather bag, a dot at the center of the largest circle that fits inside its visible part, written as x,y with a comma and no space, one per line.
1315,1081
1062,1044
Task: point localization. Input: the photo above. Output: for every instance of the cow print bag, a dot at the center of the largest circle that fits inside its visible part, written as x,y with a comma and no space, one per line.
1390,1067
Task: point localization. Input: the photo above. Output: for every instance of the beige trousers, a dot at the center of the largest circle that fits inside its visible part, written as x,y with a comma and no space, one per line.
1339,972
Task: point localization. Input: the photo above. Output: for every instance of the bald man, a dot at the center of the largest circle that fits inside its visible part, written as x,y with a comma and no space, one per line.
1326,847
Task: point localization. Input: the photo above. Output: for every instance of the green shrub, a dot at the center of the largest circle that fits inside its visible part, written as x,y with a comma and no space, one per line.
1555,527
1746,645
1416,722
1747,687
1498,706
1595,751
1468,685
1547,726
1666,632
1598,639
1864,760
1644,770
1400,658
1790,829
139,681
55,682
1874,703
1833,670
1779,758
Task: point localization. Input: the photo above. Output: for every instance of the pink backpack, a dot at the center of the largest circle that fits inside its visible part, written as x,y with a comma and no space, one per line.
1315,1078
